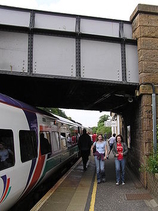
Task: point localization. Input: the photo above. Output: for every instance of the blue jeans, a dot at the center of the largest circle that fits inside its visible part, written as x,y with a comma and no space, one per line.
100,169
120,169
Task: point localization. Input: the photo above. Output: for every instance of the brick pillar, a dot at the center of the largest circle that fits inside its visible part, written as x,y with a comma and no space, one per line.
145,31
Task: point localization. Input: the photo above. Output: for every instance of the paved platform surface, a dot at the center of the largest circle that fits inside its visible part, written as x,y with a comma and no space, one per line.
72,192
79,191
129,197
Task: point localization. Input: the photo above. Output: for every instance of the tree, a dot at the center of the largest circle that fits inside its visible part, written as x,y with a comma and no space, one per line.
56,111
101,128
94,129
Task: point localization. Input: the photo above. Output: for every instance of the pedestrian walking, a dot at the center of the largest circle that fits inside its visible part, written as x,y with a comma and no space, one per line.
120,151
112,140
100,156
107,144
94,137
84,145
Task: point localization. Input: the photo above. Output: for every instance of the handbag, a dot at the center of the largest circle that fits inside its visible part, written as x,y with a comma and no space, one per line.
94,149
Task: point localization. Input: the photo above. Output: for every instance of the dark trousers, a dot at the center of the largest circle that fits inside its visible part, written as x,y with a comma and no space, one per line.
85,156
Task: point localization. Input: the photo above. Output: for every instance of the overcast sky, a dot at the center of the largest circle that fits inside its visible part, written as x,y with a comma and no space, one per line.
114,9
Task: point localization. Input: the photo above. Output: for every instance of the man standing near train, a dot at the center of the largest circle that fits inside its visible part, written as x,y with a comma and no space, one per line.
84,145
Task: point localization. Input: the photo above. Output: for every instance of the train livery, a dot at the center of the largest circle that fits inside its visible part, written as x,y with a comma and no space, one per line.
31,142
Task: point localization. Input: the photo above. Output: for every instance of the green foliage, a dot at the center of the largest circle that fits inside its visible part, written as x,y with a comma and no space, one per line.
103,119
101,128
151,164
94,129
56,111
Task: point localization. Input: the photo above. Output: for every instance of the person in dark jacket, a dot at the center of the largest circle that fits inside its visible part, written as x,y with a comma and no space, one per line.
84,145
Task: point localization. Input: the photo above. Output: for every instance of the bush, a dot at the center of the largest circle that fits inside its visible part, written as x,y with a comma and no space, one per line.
151,164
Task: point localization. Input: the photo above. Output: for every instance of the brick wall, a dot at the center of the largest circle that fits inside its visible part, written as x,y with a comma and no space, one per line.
145,31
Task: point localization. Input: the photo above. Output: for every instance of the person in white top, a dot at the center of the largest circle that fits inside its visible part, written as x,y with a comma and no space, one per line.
100,156
112,140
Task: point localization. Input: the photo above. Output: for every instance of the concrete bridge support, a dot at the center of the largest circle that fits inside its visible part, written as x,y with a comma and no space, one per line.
145,31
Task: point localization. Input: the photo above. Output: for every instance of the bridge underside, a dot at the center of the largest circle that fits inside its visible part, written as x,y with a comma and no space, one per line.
68,93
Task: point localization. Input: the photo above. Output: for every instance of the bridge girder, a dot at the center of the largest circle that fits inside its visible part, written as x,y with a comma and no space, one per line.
67,61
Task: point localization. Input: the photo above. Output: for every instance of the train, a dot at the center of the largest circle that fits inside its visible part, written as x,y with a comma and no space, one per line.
33,145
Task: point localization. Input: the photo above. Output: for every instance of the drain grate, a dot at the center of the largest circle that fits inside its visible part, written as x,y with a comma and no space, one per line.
142,196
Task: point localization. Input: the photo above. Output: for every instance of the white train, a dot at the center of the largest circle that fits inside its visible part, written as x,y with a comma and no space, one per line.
31,149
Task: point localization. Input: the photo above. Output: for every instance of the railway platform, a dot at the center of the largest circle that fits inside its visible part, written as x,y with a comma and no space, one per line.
78,190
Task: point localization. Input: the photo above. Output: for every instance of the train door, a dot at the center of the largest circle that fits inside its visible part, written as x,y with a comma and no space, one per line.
55,141
56,147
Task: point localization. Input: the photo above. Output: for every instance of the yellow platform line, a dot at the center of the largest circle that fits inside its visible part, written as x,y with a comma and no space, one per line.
93,195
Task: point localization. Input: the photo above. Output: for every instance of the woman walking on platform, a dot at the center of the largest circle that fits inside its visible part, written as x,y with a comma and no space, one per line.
100,156
120,151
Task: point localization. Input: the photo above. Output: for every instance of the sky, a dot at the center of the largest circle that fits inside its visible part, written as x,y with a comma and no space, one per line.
113,9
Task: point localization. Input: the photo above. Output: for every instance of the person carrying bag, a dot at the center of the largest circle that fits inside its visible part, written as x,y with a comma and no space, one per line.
100,155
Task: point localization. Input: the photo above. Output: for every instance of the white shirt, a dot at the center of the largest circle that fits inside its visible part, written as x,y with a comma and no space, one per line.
112,140
100,146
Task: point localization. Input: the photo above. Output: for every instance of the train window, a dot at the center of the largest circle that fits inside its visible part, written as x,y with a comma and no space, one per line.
63,142
28,145
45,142
56,143
7,158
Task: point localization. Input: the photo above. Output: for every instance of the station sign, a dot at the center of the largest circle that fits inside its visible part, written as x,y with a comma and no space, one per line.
110,124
